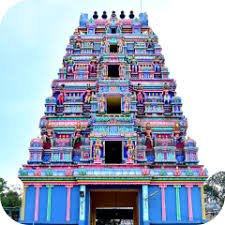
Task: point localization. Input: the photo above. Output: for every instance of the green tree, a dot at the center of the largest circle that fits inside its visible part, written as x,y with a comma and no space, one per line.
10,200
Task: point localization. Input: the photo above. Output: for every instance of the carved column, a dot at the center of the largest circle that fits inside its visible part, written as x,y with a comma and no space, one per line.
23,202
68,201
163,186
145,204
82,204
177,187
190,211
37,198
49,202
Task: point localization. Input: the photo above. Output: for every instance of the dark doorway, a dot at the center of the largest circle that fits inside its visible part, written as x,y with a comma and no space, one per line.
113,30
113,71
113,152
113,105
114,215
114,48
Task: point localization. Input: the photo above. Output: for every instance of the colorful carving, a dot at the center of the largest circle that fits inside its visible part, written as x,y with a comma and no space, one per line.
139,144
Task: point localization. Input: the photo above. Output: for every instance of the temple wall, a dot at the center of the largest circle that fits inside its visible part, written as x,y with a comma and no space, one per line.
173,206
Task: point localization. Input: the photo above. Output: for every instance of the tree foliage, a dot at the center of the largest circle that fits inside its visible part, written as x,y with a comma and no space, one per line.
215,187
10,199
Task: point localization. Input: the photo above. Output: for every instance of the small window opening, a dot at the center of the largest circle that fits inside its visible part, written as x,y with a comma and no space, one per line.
113,152
113,71
113,105
114,48
113,30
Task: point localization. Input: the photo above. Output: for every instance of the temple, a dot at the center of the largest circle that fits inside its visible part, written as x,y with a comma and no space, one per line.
113,147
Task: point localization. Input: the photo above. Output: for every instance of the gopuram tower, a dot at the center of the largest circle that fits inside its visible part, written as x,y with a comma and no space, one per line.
113,146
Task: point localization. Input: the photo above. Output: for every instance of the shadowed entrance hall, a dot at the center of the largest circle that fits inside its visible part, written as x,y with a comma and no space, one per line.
114,207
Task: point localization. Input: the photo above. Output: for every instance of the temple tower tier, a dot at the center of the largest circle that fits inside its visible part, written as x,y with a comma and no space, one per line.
113,147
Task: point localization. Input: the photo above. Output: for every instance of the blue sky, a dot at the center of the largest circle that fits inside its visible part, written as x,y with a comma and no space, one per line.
33,38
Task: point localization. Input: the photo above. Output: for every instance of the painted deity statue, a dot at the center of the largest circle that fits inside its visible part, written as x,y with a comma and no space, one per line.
178,137
97,151
60,98
118,29
140,94
134,65
104,70
126,103
46,140
76,141
88,94
78,42
106,45
93,65
148,136
130,151
70,65
107,28
165,94
101,104
157,67
120,44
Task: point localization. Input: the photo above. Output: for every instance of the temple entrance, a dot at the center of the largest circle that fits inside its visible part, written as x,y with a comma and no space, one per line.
122,215
113,105
113,152
114,207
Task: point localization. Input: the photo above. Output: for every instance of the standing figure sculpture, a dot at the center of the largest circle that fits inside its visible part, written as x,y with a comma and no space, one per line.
97,151
70,65
88,94
126,103
140,94
101,104
60,98
76,141
93,65
165,94
46,140
134,65
148,136
130,151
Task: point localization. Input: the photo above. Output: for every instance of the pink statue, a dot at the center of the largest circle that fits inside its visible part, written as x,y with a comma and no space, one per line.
177,172
148,136
130,151
145,171
140,95
97,151
93,65
88,94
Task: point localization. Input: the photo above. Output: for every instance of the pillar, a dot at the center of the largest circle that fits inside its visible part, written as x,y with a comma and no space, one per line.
145,198
23,202
37,198
49,202
202,202
82,204
68,202
163,186
177,187
190,211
